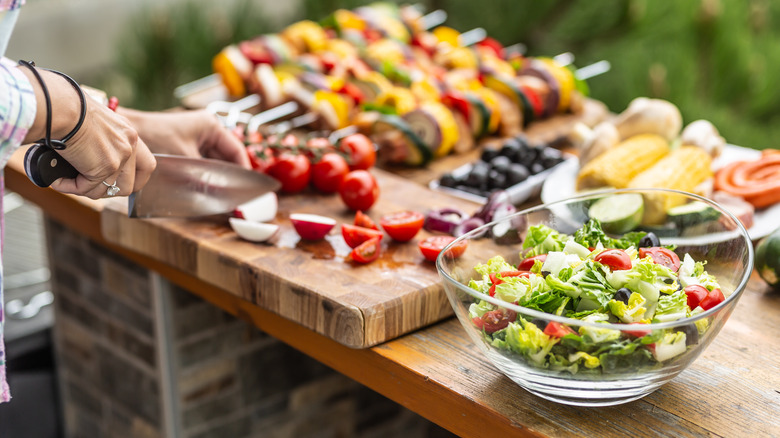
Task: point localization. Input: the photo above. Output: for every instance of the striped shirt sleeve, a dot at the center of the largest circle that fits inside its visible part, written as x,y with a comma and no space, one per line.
17,108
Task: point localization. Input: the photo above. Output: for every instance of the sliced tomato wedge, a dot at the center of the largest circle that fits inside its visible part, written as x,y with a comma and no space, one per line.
713,298
431,247
695,294
528,263
616,259
367,251
637,333
498,319
355,235
363,220
661,256
558,330
403,225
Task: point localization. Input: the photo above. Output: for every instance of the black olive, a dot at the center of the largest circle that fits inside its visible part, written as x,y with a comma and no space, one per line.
522,141
668,280
539,323
447,180
516,174
679,286
496,179
537,168
527,156
489,153
649,240
510,150
622,294
545,273
500,163
478,176
691,334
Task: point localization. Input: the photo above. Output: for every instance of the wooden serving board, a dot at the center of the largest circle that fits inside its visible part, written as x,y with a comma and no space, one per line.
311,283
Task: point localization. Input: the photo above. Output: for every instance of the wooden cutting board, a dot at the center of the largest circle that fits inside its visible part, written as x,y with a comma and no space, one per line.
311,283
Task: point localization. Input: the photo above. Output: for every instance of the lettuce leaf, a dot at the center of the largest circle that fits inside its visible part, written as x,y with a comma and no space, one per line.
672,307
591,234
543,239
494,265
634,311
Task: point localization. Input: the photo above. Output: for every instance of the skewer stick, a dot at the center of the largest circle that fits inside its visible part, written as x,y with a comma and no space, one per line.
433,19
593,70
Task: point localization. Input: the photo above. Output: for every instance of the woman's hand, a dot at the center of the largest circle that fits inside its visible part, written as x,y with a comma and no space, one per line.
105,149
190,133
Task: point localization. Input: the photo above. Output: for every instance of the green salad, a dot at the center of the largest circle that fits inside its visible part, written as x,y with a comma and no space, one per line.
592,277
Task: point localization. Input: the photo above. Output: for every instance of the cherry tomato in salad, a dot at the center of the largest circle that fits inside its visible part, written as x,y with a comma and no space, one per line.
362,220
355,235
494,277
661,256
360,148
498,319
637,333
558,330
403,225
430,247
328,172
260,157
616,259
528,263
367,251
359,190
292,170
713,298
695,293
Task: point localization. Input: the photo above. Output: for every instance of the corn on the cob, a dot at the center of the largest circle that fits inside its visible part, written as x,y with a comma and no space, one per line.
683,169
617,166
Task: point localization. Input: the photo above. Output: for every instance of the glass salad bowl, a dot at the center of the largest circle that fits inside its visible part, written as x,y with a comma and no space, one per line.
599,299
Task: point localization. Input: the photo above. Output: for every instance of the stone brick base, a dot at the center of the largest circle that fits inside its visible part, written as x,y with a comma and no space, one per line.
138,357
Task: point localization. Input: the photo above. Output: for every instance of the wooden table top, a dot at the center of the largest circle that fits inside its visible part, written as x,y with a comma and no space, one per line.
732,389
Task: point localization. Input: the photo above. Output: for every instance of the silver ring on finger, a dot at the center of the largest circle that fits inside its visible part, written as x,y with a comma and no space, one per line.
112,190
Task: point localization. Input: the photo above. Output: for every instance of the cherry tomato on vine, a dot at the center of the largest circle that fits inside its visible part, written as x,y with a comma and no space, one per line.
430,247
328,172
403,225
616,259
360,148
292,170
359,190
661,256
260,157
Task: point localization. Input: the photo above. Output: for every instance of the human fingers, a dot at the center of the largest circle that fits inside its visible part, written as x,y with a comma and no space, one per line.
227,147
145,163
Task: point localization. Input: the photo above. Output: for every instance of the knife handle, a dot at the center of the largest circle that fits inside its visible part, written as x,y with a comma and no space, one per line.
44,165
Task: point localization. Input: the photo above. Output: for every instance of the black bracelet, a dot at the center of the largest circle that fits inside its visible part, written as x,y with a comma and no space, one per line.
47,141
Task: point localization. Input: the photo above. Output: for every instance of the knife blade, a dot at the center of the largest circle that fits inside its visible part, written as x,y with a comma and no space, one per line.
192,187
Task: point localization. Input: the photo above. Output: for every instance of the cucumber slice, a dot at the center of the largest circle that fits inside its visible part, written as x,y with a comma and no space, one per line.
480,116
692,213
618,214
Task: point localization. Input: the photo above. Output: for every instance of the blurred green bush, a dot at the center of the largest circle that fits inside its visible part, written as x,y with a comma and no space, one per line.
715,59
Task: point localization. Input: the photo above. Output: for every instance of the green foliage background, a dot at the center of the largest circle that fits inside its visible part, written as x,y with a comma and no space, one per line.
715,59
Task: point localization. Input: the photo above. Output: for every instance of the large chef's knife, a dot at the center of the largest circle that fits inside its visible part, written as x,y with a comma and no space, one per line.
178,187
191,187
